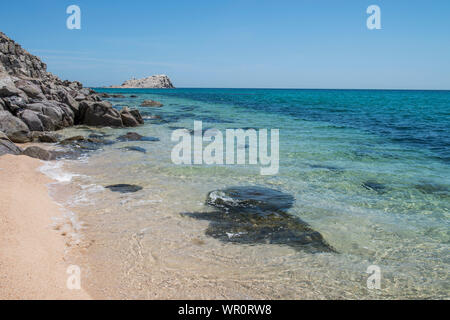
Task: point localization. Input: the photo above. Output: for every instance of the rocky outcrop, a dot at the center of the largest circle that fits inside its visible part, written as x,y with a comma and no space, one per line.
100,114
39,153
158,82
14,128
7,146
34,100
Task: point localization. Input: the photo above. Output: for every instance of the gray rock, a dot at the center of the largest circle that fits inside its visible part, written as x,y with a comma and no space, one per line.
72,103
7,146
39,153
16,130
128,119
25,84
100,114
87,91
124,188
73,139
47,123
80,97
135,148
32,120
137,115
257,215
151,103
15,103
60,114
30,90
8,91
36,107
18,62
46,137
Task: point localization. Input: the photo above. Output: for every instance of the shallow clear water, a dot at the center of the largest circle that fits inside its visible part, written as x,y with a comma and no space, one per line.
369,170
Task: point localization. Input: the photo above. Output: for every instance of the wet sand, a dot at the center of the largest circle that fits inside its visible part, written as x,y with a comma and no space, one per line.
33,261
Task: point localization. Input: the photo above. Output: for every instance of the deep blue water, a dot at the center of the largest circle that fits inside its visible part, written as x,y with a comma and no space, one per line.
420,119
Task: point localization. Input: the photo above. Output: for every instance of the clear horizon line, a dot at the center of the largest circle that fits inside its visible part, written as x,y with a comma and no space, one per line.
278,88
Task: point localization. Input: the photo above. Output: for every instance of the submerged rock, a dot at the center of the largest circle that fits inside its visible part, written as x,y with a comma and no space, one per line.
257,215
330,168
86,144
124,188
134,148
374,186
151,103
133,136
252,199
433,188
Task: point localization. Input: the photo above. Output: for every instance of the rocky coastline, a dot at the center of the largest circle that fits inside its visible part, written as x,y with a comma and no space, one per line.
34,102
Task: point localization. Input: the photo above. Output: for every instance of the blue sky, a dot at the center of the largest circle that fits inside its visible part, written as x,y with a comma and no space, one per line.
240,43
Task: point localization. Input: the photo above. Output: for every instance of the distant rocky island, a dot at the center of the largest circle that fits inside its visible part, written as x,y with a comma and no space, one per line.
153,82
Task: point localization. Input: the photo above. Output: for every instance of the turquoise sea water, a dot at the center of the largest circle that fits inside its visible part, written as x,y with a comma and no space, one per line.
369,170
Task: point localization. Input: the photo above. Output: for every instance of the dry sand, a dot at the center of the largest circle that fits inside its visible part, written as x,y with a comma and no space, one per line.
32,253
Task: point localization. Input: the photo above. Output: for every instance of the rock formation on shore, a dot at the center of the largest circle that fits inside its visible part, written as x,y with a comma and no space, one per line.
34,100
156,82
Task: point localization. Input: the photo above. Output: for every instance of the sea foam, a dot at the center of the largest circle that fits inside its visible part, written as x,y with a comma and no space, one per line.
54,171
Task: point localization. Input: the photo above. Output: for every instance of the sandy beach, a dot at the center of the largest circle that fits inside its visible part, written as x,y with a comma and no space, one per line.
32,253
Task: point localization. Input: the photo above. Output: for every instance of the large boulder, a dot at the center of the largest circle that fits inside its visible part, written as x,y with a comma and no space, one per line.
7,146
258,215
15,103
59,114
99,114
5,78
32,120
39,153
16,130
128,119
46,137
72,103
30,89
8,91
47,122
137,115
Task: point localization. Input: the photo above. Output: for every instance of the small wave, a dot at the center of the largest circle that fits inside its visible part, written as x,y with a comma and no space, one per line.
54,171
82,198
